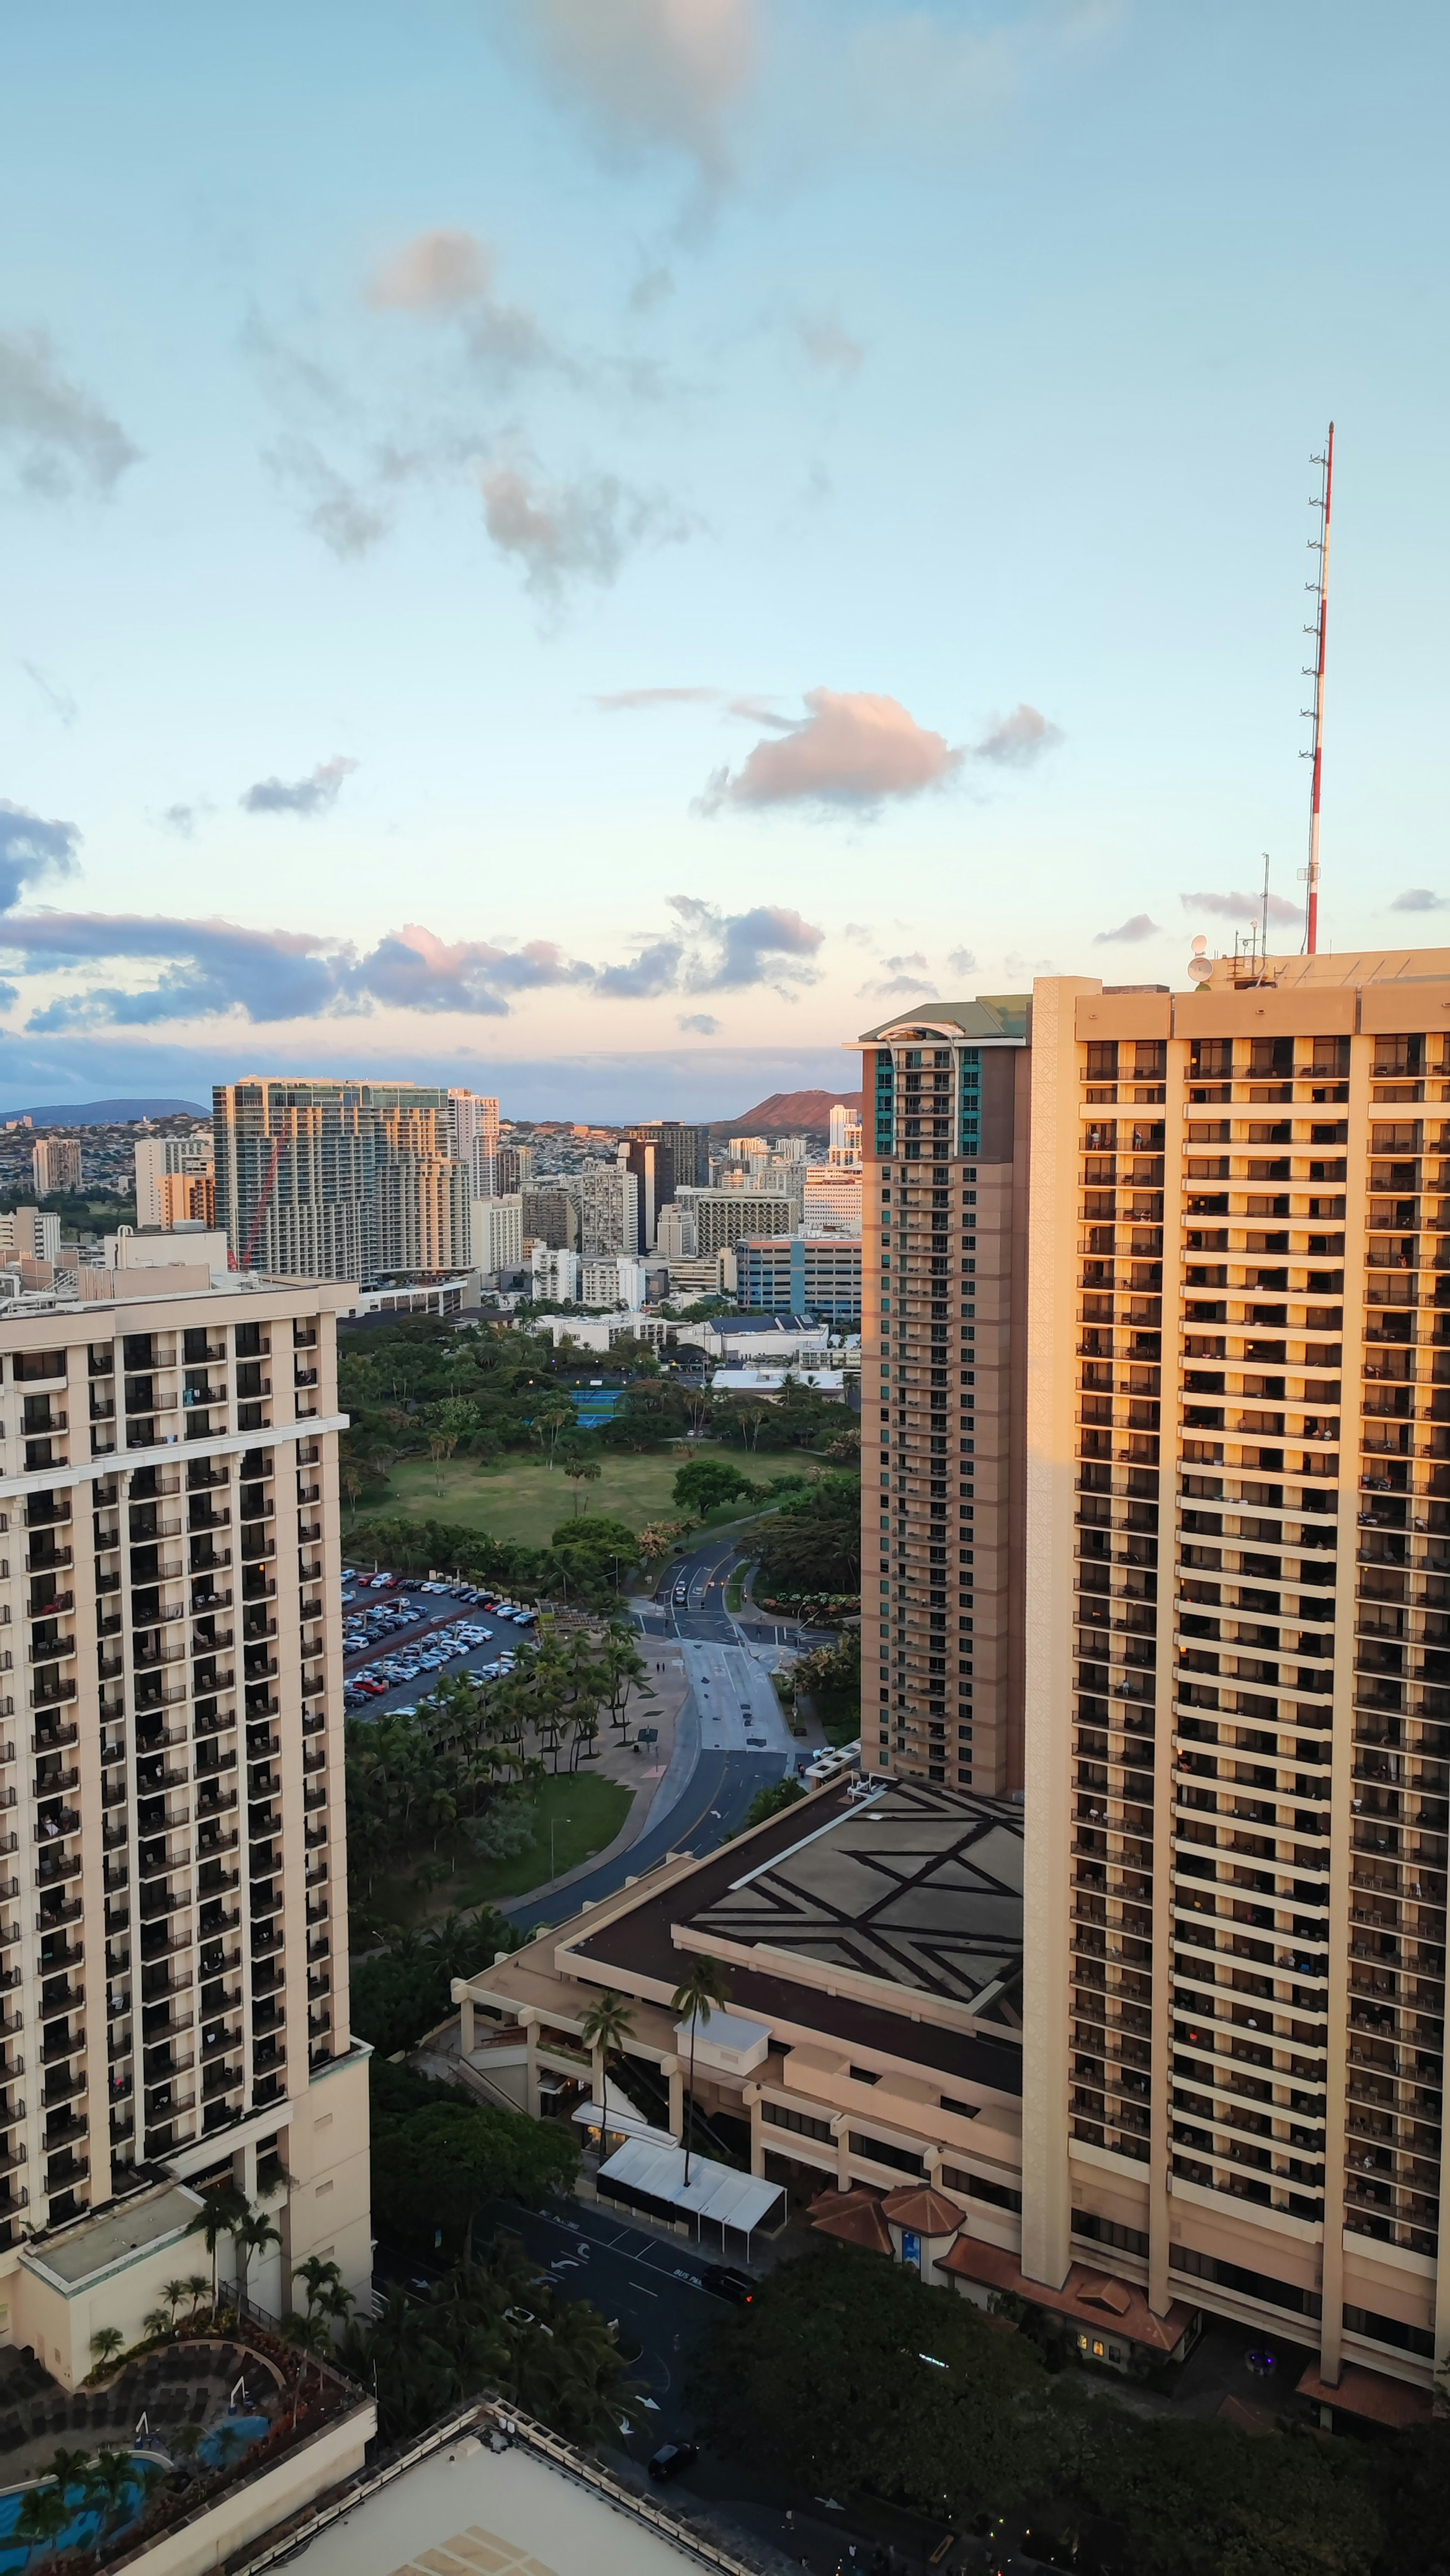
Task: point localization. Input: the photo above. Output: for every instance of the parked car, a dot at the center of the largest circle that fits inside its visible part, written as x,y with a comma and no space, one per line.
728,2282
672,2457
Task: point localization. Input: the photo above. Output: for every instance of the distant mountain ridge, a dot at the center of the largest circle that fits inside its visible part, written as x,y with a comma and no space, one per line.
106,1113
788,1113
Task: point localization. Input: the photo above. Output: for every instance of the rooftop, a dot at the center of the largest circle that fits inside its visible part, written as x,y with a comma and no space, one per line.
931,1933
919,1886
137,2225
999,1016
466,2510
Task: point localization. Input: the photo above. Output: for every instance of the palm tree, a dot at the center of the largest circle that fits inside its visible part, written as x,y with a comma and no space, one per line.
197,2286
695,1999
251,2234
68,2467
310,2335
109,2488
158,2321
215,2219
606,2026
42,2518
174,2293
186,2441
107,2341
317,2278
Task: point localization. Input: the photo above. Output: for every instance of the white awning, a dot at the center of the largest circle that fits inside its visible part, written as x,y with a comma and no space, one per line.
714,2191
622,2122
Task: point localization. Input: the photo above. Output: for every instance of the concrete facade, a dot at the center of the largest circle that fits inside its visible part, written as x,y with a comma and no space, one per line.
173,1928
1238,1645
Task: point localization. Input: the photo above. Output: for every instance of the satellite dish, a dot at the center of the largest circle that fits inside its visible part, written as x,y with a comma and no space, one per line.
1200,969
1199,946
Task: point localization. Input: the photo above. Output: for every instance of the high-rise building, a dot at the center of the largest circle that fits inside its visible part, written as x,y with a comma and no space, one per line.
514,1169
157,1159
30,1233
320,1179
473,1139
55,1163
551,1217
799,1274
189,1199
1237,1681
497,1235
844,1149
943,1379
724,1217
831,1198
554,1273
688,1149
676,1236
608,1210
175,1919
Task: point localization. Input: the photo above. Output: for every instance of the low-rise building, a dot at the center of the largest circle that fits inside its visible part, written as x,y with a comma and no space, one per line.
866,2068
771,1383
601,1332
774,1340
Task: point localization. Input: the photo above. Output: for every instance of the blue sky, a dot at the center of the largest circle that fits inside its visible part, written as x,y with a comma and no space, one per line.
592,546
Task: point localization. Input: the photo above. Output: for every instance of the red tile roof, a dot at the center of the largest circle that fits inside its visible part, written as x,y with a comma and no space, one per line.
854,2216
1089,2298
924,2211
1369,2393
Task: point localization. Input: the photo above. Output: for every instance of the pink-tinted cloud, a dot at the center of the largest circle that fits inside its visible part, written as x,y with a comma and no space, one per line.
651,73
436,272
852,749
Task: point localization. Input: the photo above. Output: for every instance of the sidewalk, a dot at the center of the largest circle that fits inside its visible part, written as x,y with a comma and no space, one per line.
659,1774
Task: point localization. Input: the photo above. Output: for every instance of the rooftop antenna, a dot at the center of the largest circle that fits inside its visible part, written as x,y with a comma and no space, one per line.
1315,670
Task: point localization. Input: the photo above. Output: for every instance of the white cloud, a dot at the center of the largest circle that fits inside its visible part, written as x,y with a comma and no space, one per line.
852,749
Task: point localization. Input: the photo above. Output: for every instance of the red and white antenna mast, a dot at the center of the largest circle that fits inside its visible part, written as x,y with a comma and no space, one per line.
1320,631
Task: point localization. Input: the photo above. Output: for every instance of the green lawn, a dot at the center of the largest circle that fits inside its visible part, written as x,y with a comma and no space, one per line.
586,1813
523,1500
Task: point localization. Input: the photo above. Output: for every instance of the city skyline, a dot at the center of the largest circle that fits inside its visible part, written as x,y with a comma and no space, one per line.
772,513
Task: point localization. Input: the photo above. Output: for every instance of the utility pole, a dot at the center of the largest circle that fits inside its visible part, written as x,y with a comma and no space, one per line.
1315,671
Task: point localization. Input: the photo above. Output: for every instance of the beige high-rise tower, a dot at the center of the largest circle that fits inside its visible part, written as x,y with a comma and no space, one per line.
1237,1641
173,1921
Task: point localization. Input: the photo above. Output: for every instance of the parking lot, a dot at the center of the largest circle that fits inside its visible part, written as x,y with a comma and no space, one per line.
400,1634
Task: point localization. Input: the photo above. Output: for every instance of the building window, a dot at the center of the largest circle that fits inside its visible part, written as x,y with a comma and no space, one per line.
1391,2330
1248,2285
877,2151
976,2187
1106,2231
802,2122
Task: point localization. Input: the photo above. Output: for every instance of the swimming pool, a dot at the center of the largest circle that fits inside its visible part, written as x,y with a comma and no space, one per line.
81,2532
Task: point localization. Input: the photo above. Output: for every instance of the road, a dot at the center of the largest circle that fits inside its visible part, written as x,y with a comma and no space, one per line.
652,2286
731,1737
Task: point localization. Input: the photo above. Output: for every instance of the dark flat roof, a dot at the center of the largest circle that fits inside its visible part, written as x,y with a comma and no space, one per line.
920,1886
641,1940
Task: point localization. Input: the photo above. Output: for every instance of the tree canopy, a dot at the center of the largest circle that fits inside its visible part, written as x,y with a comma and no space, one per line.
814,1542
